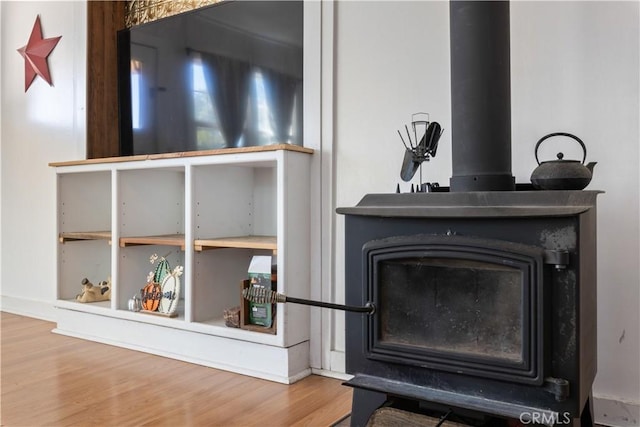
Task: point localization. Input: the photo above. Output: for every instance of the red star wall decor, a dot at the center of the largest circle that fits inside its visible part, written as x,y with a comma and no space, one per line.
35,55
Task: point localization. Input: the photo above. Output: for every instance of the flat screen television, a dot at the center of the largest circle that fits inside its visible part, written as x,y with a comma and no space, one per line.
225,75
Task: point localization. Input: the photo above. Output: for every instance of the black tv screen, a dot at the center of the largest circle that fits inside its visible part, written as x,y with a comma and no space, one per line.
226,75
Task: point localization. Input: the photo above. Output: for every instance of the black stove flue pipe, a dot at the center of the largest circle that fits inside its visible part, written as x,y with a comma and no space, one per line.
480,96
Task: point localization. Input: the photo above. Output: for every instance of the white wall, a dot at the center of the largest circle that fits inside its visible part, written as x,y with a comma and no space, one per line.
392,60
574,68
43,125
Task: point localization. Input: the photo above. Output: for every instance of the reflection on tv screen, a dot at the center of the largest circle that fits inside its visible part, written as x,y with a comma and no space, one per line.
227,75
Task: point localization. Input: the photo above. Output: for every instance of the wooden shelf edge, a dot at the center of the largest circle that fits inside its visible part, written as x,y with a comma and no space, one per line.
163,240
242,242
216,152
72,236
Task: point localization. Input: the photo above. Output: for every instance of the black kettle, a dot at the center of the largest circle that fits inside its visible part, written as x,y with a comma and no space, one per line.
562,174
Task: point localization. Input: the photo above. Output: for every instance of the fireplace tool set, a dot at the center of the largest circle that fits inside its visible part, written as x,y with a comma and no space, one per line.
419,151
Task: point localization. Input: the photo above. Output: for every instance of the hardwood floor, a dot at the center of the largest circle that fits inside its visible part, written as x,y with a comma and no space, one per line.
53,380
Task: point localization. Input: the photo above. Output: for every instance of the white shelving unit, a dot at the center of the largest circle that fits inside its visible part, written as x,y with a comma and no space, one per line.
208,211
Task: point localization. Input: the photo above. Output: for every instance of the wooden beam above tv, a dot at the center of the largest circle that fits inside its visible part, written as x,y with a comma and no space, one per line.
104,19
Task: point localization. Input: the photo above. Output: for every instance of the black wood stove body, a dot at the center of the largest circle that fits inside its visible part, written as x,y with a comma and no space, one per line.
485,302
485,296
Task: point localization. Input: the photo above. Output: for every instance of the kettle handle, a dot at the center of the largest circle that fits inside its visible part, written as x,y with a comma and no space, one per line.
584,149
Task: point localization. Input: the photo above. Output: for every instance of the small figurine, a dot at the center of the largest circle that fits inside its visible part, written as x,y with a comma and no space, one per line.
91,293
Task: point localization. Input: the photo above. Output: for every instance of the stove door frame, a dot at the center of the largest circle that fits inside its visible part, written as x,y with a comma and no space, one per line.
529,260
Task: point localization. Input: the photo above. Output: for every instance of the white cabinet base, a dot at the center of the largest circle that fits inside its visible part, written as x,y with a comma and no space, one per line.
281,364
208,212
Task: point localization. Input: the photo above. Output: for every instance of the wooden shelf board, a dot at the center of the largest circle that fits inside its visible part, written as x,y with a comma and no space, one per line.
246,242
216,152
165,240
70,236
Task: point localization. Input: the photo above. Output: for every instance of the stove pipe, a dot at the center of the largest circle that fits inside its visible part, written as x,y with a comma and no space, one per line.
480,96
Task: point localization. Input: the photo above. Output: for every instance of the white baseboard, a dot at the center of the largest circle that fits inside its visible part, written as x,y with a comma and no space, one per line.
615,413
39,309
331,374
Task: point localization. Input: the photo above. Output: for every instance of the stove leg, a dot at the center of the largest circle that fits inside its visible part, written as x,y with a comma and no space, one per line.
364,404
586,417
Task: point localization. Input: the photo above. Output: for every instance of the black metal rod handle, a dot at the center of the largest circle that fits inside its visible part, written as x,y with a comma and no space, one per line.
368,308
267,296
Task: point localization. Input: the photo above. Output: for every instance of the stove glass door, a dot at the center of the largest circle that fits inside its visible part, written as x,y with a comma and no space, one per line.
456,303
452,305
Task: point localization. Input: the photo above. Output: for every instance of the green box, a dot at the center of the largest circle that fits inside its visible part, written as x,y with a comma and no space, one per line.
260,277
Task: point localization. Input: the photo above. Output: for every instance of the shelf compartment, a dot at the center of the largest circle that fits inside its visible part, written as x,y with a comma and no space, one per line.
85,258
216,276
232,200
164,240
150,206
72,236
244,242
134,267
84,202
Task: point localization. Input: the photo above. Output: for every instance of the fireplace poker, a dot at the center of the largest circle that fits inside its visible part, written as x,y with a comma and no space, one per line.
266,296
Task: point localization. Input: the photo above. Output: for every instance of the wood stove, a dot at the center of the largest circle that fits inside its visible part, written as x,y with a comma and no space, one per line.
484,294
485,302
